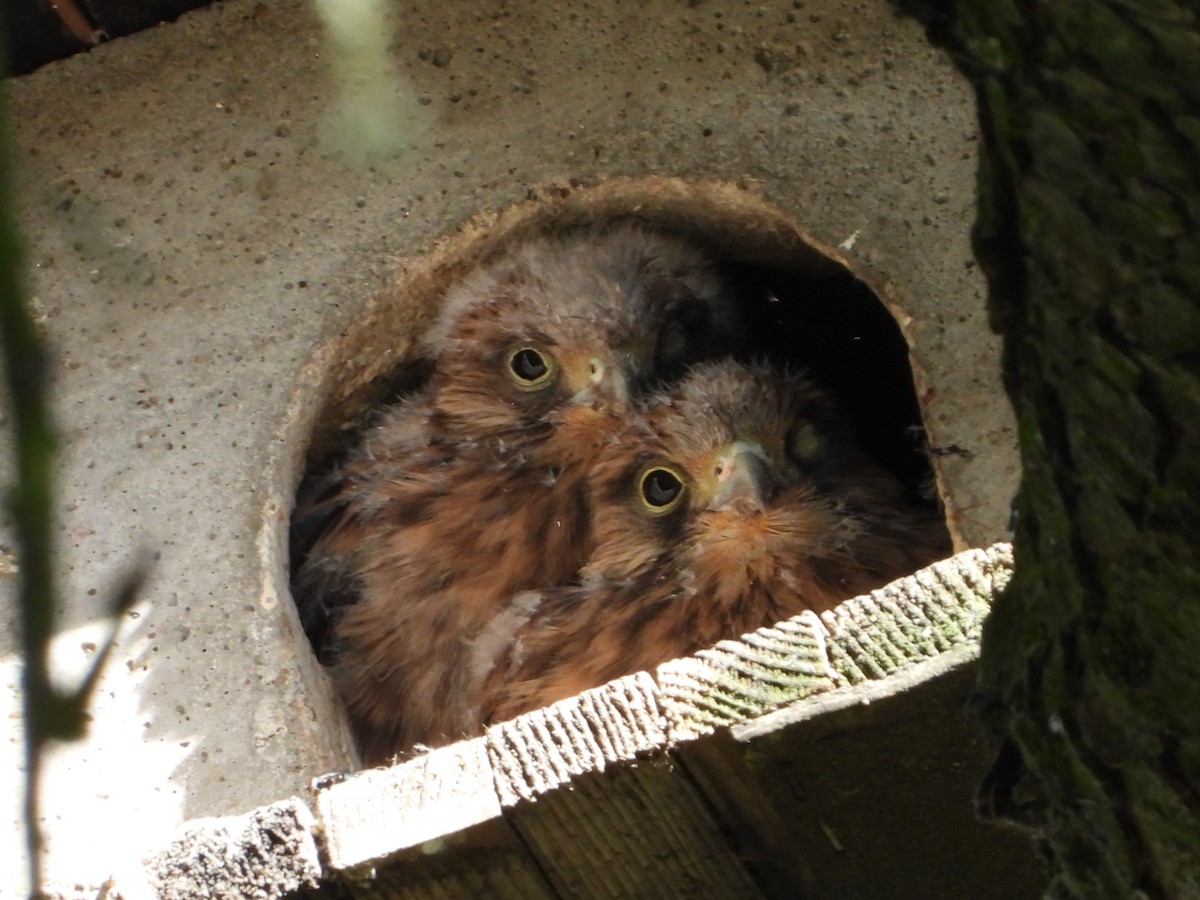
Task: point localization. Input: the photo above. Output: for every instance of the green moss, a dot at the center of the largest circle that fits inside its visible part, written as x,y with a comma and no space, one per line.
1090,219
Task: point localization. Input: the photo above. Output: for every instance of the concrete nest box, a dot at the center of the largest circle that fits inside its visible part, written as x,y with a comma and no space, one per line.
808,308
227,300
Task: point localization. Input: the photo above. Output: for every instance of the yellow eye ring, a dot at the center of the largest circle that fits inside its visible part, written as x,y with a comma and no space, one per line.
660,489
530,368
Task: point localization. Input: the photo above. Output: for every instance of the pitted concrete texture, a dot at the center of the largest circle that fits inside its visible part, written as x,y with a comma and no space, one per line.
215,257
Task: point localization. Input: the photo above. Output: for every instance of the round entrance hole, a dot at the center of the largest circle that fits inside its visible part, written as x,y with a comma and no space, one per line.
805,310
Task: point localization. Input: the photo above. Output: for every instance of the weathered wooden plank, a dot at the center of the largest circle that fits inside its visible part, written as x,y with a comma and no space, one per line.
544,749
867,638
915,618
487,861
375,814
586,784
863,694
637,830
586,799
754,826
880,778
740,679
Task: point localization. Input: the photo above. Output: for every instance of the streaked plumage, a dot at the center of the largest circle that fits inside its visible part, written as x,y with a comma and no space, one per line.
473,490
738,500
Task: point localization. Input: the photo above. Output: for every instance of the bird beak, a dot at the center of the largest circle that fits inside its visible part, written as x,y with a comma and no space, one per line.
745,477
605,378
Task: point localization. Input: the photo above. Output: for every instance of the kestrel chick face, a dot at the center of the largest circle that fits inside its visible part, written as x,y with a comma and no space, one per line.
743,463
734,502
586,321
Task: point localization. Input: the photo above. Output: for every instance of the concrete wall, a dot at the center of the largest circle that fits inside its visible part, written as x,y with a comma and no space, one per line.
219,211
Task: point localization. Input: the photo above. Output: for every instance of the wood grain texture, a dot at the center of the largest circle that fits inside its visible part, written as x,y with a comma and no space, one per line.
867,638
931,612
380,812
494,866
588,787
737,680
540,751
639,830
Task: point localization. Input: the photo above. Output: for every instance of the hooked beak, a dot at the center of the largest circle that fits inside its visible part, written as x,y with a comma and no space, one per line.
745,477
604,378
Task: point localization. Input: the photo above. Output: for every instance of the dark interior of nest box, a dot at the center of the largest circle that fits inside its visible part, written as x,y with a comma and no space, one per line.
810,314
834,328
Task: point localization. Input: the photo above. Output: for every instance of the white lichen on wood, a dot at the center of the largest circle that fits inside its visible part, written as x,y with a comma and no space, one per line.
930,612
866,638
546,748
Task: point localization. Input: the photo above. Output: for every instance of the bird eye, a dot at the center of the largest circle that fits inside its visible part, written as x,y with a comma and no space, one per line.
806,443
660,489
529,367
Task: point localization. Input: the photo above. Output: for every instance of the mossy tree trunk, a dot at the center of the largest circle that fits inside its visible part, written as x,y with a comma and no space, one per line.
1090,231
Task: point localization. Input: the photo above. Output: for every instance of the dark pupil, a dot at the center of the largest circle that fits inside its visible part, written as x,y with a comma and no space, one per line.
660,487
528,364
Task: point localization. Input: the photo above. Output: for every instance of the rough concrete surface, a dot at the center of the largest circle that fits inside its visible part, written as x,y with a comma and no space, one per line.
206,238
268,852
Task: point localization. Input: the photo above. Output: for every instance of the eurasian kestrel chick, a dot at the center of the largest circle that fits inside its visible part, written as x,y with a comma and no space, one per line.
738,500
473,490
